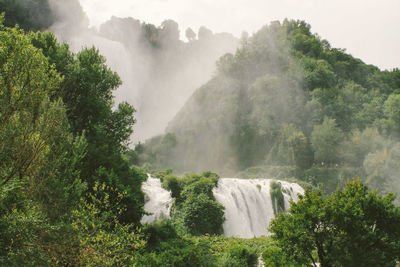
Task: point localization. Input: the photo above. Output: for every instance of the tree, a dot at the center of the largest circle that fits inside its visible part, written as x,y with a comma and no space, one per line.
169,32
28,14
382,169
86,91
25,82
202,215
392,110
39,157
190,34
325,140
204,33
352,227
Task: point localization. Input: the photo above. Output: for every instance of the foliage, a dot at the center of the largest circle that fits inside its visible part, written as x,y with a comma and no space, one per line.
382,169
25,84
274,256
158,232
53,210
278,201
202,215
239,256
195,210
86,90
325,140
40,159
202,250
103,239
286,98
391,108
28,14
178,252
352,227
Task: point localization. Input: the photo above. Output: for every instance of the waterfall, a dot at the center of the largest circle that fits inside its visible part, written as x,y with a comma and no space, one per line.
247,202
158,201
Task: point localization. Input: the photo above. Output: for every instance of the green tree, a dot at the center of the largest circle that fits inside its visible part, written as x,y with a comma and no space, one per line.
103,239
25,83
359,144
86,91
392,111
28,14
202,215
325,140
39,158
382,169
353,227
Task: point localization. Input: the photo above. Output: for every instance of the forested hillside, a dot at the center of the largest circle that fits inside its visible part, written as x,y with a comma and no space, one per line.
288,104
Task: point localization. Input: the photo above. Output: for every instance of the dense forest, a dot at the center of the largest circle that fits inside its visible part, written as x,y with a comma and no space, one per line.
286,105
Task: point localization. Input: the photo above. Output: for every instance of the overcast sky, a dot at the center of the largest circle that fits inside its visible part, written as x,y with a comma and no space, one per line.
368,29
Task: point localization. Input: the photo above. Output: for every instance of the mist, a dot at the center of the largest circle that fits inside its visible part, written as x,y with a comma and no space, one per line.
158,70
274,103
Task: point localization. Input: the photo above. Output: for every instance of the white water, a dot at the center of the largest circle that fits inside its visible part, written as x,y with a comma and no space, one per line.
158,201
247,202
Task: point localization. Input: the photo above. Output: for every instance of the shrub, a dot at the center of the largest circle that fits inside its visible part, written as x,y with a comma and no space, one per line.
278,200
239,256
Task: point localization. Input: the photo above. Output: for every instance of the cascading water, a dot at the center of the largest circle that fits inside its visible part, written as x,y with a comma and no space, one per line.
247,202
158,201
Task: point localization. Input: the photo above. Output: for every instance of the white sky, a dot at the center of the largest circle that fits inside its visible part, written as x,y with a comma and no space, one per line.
368,29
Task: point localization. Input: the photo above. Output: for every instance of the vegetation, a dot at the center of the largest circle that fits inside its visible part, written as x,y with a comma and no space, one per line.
169,249
352,227
288,101
278,200
28,14
65,188
285,105
195,210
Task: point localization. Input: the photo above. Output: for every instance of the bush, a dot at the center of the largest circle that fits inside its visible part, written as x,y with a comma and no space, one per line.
278,200
178,253
158,232
195,210
330,178
239,256
202,215
273,256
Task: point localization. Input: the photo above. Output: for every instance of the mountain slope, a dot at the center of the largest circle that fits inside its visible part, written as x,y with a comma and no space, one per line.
286,98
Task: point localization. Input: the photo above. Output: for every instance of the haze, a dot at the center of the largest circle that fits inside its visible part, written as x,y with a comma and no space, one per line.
367,29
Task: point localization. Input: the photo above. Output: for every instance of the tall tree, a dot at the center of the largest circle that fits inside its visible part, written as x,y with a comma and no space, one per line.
325,140
87,90
28,14
353,227
190,34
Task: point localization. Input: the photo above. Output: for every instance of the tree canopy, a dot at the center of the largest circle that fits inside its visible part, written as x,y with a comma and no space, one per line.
28,14
352,227
58,204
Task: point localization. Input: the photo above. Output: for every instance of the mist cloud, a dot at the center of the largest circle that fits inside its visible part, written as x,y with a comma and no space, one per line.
159,71
365,28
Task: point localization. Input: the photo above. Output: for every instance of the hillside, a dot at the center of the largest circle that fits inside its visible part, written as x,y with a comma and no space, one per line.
288,104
